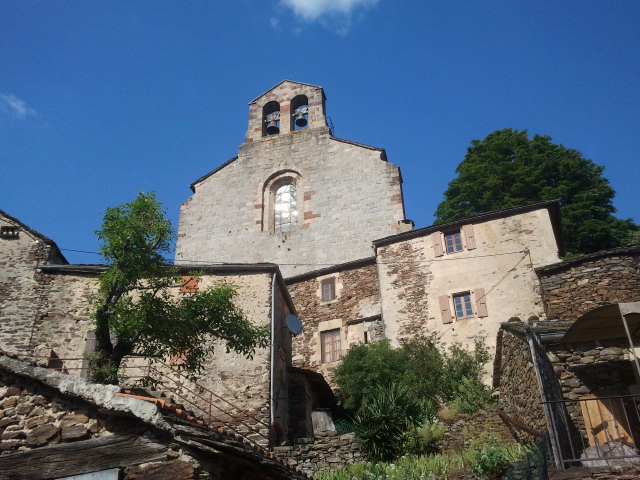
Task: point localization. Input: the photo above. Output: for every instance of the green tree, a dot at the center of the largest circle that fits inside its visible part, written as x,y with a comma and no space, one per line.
135,311
508,168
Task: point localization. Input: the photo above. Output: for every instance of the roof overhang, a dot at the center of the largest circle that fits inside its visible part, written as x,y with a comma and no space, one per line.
605,323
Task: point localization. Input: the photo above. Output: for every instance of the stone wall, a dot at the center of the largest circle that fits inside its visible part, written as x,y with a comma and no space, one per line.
20,286
355,310
574,287
484,427
418,285
630,471
516,382
347,195
322,453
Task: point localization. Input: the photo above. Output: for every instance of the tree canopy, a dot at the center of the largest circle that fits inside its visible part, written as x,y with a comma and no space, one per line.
508,168
138,312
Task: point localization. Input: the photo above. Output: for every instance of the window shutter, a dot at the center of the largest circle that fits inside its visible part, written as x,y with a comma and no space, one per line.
481,302
445,310
438,250
469,237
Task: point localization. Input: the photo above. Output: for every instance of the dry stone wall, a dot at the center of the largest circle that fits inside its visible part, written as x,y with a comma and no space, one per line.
515,379
314,455
574,287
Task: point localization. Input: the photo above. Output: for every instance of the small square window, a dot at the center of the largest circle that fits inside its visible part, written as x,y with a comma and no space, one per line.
328,286
330,345
453,242
462,304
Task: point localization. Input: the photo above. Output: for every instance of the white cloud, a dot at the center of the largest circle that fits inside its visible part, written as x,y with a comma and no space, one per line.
12,106
314,9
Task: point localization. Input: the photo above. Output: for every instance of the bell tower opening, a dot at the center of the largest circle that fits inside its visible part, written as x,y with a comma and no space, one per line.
299,112
271,119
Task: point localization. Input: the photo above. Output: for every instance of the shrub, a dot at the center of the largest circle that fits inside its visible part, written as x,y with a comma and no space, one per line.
383,420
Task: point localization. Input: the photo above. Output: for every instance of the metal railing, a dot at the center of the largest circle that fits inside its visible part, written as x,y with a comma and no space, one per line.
212,408
596,431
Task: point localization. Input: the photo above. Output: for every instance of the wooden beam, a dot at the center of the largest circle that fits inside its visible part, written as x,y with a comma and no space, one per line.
75,458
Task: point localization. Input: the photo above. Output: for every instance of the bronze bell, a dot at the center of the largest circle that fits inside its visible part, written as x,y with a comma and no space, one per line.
300,119
272,123
272,127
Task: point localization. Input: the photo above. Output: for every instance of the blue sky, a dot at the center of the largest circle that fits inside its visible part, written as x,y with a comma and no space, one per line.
101,99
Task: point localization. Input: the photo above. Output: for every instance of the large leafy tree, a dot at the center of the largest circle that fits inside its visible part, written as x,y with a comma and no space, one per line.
508,168
138,312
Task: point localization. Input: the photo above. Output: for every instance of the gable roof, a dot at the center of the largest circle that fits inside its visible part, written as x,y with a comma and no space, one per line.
34,233
632,249
284,81
552,205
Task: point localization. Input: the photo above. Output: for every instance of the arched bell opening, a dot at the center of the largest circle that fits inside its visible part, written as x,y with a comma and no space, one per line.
299,112
271,119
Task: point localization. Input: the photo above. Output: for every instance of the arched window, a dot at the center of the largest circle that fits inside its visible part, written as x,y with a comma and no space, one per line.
285,211
271,119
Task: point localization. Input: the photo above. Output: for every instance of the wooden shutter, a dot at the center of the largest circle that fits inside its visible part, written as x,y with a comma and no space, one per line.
469,237
445,310
438,250
481,302
189,284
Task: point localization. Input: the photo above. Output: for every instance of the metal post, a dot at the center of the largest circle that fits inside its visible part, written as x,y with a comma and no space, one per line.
633,349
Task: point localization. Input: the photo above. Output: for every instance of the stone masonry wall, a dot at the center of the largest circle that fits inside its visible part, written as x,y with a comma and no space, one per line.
347,196
574,287
357,298
516,382
20,288
322,453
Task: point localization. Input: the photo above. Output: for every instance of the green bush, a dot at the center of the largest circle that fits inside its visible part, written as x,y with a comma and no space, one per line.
485,464
424,439
383,420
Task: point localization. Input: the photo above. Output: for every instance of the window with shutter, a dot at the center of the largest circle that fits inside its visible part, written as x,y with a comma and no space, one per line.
462,305
453,241
330,345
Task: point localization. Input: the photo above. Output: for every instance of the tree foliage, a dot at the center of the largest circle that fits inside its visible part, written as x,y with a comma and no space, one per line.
508,168
136,311
392,392
431,373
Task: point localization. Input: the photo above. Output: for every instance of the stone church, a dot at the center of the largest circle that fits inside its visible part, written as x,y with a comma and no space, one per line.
305,224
